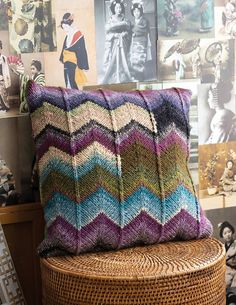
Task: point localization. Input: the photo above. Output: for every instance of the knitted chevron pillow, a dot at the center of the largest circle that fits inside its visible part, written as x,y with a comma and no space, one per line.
113,168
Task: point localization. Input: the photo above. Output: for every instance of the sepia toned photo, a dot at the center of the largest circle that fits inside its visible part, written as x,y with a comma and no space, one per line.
31,26
209,60
217,174
216,108
125,40
180,19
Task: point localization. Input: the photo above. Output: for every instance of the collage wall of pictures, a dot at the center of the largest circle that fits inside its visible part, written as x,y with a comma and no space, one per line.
150,44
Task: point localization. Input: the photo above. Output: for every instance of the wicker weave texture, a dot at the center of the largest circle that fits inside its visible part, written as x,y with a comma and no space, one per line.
180,273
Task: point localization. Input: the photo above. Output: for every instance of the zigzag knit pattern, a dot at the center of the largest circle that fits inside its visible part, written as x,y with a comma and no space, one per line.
113,168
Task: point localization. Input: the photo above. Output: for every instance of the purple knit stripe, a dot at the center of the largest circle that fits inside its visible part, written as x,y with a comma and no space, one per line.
95,231
62,230
74,98
204,225
141,229
172,138
181,225
101,229
73,147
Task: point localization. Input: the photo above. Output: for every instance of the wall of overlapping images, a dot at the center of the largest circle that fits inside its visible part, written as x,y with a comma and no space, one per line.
144,44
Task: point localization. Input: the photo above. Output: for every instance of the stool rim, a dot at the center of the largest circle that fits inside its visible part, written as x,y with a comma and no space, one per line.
48,262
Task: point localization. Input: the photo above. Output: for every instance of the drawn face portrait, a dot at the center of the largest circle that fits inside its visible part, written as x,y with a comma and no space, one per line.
227,234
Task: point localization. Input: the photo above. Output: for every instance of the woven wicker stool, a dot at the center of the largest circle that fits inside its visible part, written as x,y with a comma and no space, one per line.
173,273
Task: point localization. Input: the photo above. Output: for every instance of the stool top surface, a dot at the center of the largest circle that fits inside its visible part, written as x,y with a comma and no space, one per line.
157,261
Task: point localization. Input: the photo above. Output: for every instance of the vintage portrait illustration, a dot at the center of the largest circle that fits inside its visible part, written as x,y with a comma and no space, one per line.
210,60
31,26
216,108
180,19
125,40
224,225
74,55
217,172
74,63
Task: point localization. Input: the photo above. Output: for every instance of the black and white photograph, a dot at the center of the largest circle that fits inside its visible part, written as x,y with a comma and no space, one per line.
216,108
31,26
185,19
224,225
208,59
125,40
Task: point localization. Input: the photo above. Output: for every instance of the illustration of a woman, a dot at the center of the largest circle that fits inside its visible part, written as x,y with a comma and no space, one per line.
207,15
227,179
74,54
140,51
227,232
117,45
223,123
230,18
